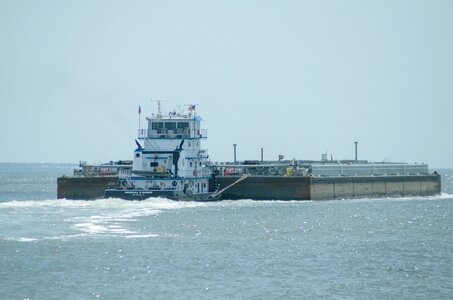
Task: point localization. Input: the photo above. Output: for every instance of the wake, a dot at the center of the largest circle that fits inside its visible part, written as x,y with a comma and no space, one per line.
162,203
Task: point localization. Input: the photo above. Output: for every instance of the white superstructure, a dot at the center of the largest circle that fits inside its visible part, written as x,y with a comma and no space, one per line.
169,160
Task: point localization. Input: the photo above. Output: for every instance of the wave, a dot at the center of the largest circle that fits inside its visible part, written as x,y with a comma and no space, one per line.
29,239
158,203
442,196
113,217
21,239
99,218
111,223
162,203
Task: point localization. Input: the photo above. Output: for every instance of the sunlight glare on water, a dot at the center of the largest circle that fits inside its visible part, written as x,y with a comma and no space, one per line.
160,249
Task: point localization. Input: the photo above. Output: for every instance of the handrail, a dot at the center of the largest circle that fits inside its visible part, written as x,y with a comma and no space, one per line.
170,134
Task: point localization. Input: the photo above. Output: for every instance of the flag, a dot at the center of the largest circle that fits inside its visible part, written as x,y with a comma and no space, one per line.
139,109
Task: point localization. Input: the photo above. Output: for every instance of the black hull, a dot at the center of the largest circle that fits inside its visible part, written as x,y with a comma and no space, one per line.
326,188
137,195
269,188
84,187
266,188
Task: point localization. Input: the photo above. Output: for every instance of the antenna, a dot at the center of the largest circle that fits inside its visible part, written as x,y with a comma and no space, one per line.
159,112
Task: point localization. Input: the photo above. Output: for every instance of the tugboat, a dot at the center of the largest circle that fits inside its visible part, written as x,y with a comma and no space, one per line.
168,161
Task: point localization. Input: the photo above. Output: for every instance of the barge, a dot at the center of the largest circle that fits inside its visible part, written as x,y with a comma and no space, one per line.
169,162
322,180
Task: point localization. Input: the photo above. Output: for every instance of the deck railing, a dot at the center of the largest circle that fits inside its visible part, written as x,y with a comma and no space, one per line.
164,133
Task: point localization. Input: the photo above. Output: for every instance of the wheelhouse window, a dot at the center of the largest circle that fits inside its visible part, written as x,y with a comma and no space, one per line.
183,125
170,125
157,125
183,128
179,128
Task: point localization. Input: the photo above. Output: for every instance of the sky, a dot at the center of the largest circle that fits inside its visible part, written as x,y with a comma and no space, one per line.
297,78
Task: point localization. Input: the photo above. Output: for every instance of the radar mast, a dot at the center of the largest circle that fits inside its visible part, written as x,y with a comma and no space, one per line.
159,111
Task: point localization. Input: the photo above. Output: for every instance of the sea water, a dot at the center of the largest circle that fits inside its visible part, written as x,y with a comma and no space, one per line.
161,249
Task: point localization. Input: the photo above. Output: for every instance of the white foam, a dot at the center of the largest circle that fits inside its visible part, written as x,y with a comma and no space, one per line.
140,236
65,237
114,222
112,217
21,239
442,196
104,217
157,203
58,237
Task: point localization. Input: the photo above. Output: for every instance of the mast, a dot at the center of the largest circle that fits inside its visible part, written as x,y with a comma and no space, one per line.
159,111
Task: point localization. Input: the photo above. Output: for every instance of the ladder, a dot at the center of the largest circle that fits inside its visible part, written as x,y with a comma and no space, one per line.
217,194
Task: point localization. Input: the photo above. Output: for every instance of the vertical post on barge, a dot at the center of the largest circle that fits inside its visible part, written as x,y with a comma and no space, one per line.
356,150
234,145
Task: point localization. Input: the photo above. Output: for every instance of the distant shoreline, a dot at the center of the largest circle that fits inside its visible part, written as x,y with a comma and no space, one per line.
432,169
37,163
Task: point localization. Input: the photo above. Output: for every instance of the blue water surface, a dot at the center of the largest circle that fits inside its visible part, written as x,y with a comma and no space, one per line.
162,249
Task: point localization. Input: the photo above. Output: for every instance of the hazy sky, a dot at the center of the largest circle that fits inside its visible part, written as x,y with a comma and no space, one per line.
298,78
